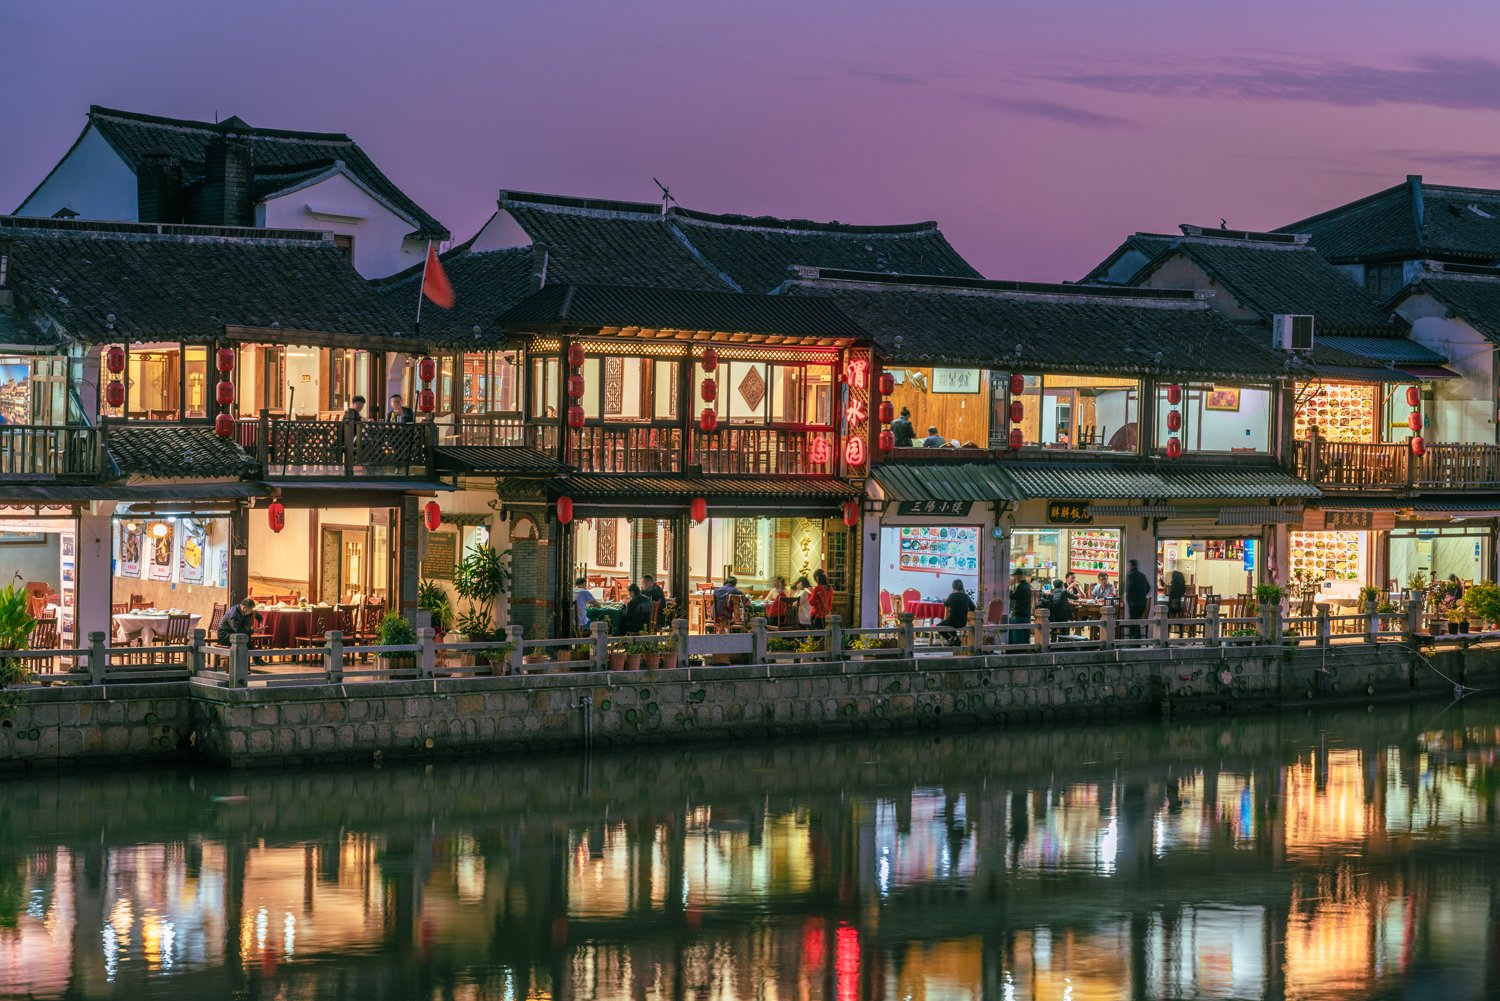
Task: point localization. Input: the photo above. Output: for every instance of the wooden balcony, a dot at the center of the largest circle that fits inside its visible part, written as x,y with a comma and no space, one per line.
1363,466
50,454
502,430
764,451
606,449
290,449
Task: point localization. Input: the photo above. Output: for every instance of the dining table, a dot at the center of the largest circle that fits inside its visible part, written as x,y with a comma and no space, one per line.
925,609
288,625
147,624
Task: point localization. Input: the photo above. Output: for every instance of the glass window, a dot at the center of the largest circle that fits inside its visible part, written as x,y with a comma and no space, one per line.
195,364
1218,418
1087,411
1395,414
447,366
665,376
154,381
593,388
544,388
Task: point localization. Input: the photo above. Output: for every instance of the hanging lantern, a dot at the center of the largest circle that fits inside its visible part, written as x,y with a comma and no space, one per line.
224,360
709,390
708,420
1017,384
1414,420
114,394
886,384
709,360
1017,439
575,386
564,510
432,515
575,416
887,411
851,513
1174,421
575,355
1174,447
698,510
224,425
426,368
1413,396
276,516
1418,446
114,360
426,401
224,393
1174,394
1017,411
887,440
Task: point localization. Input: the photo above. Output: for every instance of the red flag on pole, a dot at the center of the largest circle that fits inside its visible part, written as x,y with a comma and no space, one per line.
434,282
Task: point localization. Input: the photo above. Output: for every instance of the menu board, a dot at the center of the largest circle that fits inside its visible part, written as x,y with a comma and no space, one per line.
1224,549
940,550
1327,555
1341,411
1094,551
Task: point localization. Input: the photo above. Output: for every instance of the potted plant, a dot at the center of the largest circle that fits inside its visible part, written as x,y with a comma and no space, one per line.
432,597
1458,624
1416,583
482,577
651,656
1269,594
1368,597
634,651
498,656
669,654
617,654
1388,613
394,630
1482,602
16,625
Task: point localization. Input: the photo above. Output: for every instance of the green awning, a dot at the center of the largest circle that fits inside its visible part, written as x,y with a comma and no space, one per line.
1163,480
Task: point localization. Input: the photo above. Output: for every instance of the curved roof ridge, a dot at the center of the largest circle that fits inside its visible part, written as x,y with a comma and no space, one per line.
193,125
542,198
766,222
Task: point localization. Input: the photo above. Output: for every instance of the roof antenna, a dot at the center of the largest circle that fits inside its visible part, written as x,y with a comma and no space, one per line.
666,195
1223,224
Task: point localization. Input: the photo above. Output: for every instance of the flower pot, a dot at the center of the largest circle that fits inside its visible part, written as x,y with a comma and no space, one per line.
720,659
651,661
669,661
1463,627
633,661
534,659
617,660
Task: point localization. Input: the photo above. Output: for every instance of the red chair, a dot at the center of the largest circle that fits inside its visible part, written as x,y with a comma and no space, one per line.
910,597
994,612
887,607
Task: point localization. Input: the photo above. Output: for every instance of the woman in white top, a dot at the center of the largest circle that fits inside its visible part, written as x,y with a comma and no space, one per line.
802,595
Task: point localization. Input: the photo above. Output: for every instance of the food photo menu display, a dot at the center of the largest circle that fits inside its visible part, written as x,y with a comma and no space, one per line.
940,550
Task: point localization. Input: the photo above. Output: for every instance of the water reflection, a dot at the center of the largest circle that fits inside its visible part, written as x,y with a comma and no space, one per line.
1336,856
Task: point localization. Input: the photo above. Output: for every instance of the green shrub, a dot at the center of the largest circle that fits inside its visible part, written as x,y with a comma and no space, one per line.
1482,601
482,577
1269,594
394,630
432,597
16,625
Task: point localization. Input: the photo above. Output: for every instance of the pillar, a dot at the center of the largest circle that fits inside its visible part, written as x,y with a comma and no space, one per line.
870,562
95,554
239,552
994,570
645,548
679,582
408,560
1138,542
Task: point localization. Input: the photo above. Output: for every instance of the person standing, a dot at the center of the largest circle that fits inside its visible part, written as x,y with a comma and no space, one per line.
822,599
902,428
1137,597
1176,593
959,606
1020,606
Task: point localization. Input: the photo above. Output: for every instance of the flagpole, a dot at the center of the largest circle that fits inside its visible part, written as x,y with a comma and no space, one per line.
422,289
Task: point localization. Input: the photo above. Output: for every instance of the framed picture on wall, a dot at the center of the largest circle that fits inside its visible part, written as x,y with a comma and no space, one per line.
1222,398
17,538
955,380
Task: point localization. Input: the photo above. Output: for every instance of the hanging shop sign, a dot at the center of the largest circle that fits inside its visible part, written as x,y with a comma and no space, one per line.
1064,512
1357,520
956,507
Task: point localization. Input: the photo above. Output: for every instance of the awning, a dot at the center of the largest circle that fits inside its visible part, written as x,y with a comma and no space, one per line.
1354,373
496,460
1425,373
43,493
1134,510
950,481
1264,514
1189,478
767,491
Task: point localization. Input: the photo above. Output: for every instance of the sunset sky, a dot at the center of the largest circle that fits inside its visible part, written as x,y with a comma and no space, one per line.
1037,134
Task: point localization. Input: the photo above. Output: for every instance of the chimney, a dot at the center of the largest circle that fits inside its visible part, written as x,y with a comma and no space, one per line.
228,170
158,188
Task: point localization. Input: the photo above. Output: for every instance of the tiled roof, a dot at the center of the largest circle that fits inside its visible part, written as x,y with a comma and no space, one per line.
1392,349
1183,479
1043,327
16,329
188,287
494,460
1475,298
1141,248
484,284
1410,221
681,309
635,243
769,488
276,152
176,451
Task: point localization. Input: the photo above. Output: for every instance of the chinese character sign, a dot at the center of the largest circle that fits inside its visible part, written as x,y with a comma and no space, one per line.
854,452
855,413
857,373
818,452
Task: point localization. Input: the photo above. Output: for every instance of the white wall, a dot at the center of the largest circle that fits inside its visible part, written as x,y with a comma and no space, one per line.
501,232
1461,410
380,247
931,585
284,556
302,374
1219,430
91,180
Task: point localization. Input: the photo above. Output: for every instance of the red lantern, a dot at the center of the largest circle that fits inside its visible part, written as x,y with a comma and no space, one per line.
432,515
114,360
426,369
886,384
114,394
575,386
224,425
851,513
1017,384
698,510
224,360
1174,394
1017,411
887,411
1413,396
709,359
1414,420
1418,446
1017,439
708,420
887,440
1174,447
276,516
575,355
575,416
426,401
564,510
1174,421
709,390
224,393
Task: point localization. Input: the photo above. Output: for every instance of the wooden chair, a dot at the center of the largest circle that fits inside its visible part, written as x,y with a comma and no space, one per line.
216,617
36,598
119,607
43,637
178,632
323,621
137,600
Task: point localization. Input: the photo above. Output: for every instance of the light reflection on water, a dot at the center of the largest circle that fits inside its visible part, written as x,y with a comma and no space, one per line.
1326,856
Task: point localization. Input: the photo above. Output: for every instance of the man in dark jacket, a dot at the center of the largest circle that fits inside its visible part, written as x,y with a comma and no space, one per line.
637,615
902,428
241,620
1020,606
1137,597
959,605
399,412
356,411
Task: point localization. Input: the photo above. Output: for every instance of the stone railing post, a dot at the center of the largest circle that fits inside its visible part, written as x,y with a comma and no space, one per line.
1263,625
1212,628
1160,630
1108,628
333,656
1042,625
758,640
195,659
1273,619
976,634
1413,617
908,634
680,638
239,661
98,657
835,636
1325,627
517,649
427,652
599,639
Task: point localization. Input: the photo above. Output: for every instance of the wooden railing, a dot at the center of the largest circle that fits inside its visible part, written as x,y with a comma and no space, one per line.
1366,466
499,431
36,452
1457,466
604,449
321,448
765,451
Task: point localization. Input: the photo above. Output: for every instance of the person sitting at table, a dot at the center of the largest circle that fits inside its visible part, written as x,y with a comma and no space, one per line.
822,599
776,601
933,439
1071,585
583,599
959,605
1060,603
1176,594
801,598
730,588
637,615
241,620
1104,590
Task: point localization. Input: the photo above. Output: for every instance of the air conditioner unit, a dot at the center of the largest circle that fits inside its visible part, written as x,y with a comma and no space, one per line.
1292,333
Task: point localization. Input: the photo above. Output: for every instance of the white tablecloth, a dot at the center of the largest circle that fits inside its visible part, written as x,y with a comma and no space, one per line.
148,624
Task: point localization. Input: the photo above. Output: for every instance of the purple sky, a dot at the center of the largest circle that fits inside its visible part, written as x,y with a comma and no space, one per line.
1038,134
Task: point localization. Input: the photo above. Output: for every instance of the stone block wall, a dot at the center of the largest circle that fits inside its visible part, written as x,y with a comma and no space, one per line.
70,725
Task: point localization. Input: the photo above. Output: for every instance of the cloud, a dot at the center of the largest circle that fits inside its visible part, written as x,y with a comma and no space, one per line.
1053,111
1435,81
1452,158
885,76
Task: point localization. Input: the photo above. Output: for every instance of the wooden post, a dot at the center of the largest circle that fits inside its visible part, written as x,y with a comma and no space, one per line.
427,651
976,634
430,436
517,649
333,656
263,440
908,635
98,657
1325,627
347,433
599,638
239,661
1314,464
1041,623
1108,629
835,637
758,640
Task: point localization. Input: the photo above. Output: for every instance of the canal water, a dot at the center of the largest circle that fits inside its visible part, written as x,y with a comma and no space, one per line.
1307,855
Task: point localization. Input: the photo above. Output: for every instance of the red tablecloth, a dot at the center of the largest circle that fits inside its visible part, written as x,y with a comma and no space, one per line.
287,625
921,610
